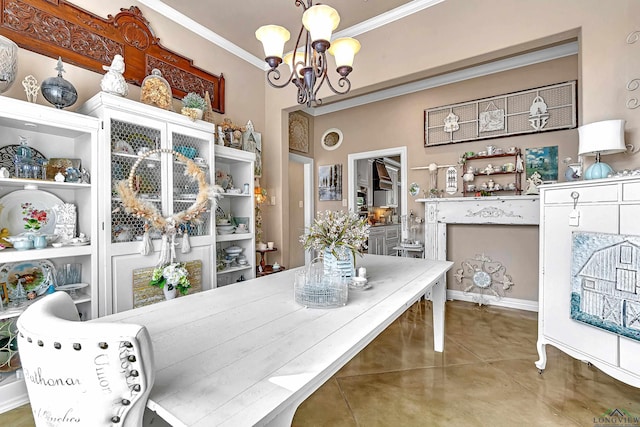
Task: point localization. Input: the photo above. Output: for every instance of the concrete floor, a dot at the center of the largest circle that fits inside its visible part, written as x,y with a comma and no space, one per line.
485,377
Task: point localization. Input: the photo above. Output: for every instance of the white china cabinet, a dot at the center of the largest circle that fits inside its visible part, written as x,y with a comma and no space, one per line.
609,206
51,135
235,244
130,129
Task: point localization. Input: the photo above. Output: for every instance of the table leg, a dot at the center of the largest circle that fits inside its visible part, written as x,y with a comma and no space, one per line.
438,297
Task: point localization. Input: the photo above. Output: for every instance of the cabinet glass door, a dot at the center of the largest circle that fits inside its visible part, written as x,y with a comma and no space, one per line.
128,140
185,188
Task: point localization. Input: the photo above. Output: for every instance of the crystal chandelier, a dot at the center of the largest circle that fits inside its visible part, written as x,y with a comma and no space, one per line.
309,65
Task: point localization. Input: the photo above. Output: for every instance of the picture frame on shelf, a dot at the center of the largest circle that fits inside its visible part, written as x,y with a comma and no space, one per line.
543,160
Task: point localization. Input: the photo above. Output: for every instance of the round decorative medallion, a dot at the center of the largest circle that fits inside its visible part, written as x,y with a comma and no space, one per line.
482,279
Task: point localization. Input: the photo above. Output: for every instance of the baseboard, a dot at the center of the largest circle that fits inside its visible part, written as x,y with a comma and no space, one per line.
520,304
13,395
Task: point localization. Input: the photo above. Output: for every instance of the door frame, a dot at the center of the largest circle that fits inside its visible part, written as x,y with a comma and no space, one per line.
307,163
352,163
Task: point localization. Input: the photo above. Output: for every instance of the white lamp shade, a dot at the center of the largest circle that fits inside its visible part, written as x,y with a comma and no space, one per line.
606,137
344,49
273,38
320,21
298,62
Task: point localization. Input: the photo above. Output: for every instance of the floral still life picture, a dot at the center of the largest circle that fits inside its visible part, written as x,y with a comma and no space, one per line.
34,219
330,182
145,294
604,272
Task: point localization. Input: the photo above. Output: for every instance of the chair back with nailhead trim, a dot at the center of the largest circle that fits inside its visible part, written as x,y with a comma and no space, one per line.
83,373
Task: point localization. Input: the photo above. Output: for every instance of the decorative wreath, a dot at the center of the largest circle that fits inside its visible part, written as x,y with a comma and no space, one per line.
148,211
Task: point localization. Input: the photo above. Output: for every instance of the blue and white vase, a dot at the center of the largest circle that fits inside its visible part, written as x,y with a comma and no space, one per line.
344,263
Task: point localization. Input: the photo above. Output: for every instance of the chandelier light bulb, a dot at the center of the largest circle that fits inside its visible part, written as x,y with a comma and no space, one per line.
273,38
320,21
344,50
298,63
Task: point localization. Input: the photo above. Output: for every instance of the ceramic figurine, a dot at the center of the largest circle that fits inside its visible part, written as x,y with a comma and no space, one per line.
113,81
31,87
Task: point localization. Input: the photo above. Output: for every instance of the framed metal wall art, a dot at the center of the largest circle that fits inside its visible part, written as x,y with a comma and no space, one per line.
534,110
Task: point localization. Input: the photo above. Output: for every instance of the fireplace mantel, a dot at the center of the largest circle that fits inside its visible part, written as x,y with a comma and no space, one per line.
504,210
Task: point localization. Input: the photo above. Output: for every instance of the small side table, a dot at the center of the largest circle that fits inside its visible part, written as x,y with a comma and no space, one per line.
262,252
268,269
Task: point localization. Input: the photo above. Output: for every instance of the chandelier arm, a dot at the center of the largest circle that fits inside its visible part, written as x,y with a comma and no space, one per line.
343,82
273,76
300,3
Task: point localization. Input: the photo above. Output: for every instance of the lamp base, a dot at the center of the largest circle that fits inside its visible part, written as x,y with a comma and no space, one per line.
598,170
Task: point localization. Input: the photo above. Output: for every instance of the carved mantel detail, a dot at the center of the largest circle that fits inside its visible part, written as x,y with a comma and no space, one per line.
492,212
58,28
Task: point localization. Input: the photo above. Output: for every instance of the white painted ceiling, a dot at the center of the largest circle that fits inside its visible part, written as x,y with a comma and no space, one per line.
232,23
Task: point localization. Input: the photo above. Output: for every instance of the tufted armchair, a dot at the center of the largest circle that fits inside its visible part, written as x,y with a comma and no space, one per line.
83,373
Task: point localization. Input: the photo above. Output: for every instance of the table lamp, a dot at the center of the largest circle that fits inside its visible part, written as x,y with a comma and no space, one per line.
606,137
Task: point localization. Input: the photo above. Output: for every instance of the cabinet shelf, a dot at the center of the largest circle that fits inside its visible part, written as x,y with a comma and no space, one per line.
14,255
42,184
234,269
234,237
11,312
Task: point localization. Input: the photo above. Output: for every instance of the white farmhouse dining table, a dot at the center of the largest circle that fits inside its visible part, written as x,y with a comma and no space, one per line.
247,354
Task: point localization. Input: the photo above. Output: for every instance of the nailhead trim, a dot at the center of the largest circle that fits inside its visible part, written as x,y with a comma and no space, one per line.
77,346
103,345
115,419
57,345
40,343
126,402
131,358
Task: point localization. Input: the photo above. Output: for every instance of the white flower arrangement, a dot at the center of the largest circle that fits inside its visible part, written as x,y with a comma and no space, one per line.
337,231
171,275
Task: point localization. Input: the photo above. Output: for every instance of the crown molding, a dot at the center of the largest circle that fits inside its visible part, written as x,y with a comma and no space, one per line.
386,18
204,32
542,55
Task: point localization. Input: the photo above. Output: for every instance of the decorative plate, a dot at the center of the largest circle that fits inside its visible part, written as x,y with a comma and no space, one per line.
7,156
36,275
29,210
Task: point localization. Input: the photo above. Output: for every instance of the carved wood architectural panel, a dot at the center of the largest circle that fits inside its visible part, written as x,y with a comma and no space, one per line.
58,28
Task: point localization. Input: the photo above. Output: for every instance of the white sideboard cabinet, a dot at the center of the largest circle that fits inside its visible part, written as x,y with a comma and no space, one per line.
602,206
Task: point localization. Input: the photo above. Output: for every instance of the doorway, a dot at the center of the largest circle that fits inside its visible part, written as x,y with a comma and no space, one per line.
352,162
300,207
